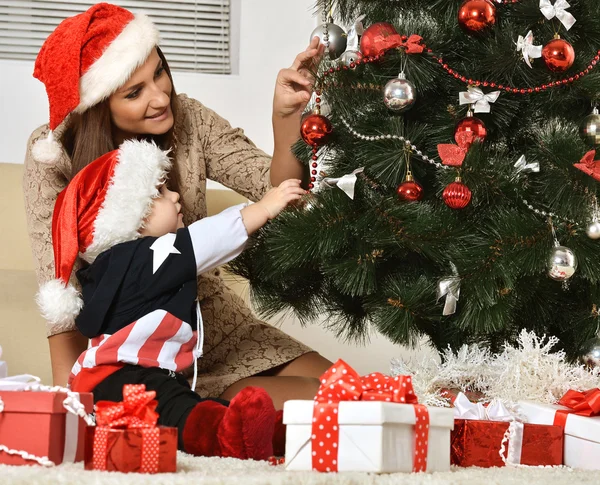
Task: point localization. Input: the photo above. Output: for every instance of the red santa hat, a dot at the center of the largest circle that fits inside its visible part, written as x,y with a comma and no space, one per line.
105,204
86,59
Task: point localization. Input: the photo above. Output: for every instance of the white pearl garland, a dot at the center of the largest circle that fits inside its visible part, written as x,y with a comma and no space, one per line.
407,143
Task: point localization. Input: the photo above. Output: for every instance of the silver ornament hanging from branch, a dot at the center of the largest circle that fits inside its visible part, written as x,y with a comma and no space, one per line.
333,37
591,128
593,229
399,94
563,263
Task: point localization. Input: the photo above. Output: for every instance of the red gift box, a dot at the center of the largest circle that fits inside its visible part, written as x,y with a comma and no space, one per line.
38,423
478,443
124,450
126,438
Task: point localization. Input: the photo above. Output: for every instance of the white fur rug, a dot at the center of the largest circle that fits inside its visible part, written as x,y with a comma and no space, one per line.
221,471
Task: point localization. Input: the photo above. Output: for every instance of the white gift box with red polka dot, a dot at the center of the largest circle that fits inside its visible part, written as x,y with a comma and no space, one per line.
374,436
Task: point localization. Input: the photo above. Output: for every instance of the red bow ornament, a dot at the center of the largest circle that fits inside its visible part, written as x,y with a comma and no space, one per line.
454,155
342,383
586,403
138,410
589,166
413,44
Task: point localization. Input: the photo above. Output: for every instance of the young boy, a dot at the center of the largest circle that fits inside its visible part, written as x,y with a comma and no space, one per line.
138,302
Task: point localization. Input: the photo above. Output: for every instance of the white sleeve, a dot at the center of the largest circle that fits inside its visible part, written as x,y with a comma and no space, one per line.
218,239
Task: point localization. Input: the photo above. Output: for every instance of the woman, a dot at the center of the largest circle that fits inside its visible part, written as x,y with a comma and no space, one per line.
107,81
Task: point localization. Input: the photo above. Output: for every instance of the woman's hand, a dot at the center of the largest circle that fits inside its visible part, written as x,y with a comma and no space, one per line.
294,85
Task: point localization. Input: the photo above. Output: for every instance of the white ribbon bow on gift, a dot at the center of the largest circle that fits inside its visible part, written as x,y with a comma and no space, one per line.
18,383
530,51
475,96
346,183
523,166
354,31
559,11
495,411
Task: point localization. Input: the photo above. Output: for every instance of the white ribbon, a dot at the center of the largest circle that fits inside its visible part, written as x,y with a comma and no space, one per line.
495,411
346,183
450,288
475,96
558,10
523,166
18,383
530,51
354,31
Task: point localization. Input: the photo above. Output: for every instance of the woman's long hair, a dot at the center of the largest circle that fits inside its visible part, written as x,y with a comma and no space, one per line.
89,134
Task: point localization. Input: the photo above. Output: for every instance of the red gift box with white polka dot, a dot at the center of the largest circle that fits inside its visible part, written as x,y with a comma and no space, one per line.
366,424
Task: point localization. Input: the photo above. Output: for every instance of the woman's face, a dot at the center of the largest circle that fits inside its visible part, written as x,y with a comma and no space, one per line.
143,105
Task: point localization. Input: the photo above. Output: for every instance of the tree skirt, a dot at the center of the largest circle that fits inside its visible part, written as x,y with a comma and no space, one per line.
218,471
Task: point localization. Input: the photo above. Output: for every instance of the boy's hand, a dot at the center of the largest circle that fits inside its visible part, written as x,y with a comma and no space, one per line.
276,199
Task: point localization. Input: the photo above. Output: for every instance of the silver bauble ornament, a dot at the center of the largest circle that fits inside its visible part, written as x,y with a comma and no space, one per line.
337,39
349,57
562,263
399,94
592,358
591,127
593,230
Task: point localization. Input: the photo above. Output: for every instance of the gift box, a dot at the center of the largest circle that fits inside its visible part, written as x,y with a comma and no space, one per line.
373,437
581,432
478,443
366,424
490,435
38,423
126,438
125,450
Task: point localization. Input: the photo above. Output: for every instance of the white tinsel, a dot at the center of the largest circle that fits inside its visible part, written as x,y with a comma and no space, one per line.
526,372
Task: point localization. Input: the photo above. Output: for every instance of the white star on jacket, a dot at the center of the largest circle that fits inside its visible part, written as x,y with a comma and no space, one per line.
162,247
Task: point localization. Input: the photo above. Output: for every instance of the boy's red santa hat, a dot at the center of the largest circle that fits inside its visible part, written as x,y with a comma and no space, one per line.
105,204
86,59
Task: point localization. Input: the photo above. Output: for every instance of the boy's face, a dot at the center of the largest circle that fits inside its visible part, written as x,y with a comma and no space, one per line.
166,215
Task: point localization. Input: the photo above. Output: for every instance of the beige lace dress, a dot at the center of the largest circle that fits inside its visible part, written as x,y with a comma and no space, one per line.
236,344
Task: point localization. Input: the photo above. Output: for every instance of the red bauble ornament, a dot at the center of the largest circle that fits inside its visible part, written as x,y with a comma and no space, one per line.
315,129
378,38
409,190
558,55
475,16
457,195
473,125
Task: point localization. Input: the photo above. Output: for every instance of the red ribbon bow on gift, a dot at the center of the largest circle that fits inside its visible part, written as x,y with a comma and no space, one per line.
454,155
589,166
342,383
137,410
413,44
586,403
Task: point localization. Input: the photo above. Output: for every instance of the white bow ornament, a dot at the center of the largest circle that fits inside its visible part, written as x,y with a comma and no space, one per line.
530,51
346,183
558,10
481,102
523,166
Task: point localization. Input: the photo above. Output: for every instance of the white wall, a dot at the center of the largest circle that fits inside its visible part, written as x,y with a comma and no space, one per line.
272,32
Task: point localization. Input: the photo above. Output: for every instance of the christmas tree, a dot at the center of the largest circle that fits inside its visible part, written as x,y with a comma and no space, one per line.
453,178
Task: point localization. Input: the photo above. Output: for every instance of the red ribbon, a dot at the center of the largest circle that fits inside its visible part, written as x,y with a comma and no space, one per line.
137,410
586,403
413,44
454,155
589,166
342,383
